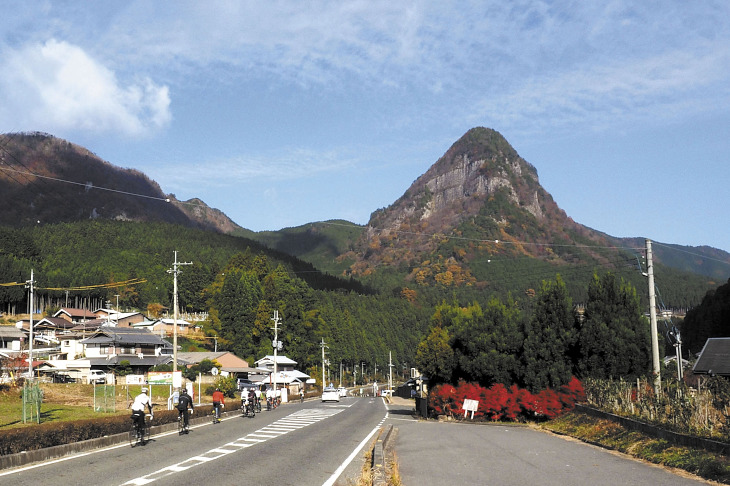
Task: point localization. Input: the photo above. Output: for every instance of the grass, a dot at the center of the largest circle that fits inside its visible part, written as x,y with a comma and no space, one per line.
70,401
608,434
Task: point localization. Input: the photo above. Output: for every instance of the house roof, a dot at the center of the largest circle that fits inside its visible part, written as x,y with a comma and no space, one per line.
124,335
11,332
284,377
75,313
55,323
714,358
280,359
133,360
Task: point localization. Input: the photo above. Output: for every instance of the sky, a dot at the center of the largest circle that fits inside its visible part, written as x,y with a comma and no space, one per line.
285,113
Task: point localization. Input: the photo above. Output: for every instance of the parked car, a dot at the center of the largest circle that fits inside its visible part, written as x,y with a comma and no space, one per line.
330,395
97,376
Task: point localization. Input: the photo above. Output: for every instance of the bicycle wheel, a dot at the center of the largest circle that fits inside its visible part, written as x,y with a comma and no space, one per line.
147,431
133,436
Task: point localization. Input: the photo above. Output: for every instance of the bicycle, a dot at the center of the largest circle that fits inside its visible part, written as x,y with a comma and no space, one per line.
248,409
217,414
140,434
182,427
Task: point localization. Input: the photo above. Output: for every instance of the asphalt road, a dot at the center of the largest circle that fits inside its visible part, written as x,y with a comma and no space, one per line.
441,453
324,444
296,444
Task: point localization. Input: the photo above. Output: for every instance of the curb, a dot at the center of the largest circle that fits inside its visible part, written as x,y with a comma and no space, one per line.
379,456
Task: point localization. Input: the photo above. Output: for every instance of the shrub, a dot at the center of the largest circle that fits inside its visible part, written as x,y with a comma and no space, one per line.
501,403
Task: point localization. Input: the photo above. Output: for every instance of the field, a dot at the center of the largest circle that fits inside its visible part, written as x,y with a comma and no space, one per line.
72,401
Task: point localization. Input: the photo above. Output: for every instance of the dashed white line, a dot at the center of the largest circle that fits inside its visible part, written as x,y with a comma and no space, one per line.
276,429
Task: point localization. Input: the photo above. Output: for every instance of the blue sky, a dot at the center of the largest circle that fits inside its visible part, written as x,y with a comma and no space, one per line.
284,113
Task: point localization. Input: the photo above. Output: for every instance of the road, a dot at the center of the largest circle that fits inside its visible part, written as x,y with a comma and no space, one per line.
296,444
323,444
440,453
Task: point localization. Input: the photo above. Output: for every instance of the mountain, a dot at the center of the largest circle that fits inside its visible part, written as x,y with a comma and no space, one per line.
44,179
478,218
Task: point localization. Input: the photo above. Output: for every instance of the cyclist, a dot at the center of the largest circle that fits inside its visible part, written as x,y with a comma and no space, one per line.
218,402
182,407
140,402
252,399
257,391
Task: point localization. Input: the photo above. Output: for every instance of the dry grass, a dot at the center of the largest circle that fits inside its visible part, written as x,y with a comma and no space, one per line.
658,451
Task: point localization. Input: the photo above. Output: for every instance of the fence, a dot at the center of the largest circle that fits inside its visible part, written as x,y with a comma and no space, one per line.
702,411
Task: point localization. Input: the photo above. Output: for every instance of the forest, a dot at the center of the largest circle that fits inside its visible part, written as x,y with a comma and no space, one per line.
483,335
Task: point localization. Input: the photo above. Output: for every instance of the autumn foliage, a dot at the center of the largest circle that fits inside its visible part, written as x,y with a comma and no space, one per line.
499,402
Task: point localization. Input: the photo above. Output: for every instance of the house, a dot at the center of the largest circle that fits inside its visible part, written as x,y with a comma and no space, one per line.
121,319
11,339
109,346
282,363
166,327
230,363
75,315
286,375
714,359
48,329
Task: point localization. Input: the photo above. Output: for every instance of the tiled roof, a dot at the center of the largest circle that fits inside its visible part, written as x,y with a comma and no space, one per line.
124,335
714,358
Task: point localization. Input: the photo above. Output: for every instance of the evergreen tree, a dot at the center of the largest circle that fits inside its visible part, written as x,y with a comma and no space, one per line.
434,356
615,338
549,338
487,344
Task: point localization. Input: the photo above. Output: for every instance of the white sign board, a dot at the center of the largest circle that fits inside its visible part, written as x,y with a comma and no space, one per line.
470,406
134,379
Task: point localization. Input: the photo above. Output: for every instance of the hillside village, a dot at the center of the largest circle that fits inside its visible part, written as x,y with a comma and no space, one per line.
77,345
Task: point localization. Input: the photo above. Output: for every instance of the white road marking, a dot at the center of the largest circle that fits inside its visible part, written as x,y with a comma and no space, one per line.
308,417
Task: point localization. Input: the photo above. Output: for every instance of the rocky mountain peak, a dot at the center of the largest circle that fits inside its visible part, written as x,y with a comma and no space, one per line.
480,164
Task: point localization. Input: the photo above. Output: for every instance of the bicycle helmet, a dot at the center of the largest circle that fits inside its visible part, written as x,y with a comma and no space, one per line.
145,389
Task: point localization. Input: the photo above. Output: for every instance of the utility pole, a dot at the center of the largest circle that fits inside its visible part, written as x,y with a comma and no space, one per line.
175,271
678,347
652,319
276,344
323,345
30,335
390,370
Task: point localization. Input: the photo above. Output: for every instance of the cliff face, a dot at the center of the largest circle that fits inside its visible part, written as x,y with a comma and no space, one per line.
481,188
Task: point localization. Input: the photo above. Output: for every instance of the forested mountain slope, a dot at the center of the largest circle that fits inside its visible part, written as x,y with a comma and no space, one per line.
46,180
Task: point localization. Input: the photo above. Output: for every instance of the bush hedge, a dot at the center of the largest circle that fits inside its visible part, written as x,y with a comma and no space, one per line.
51,434
499,402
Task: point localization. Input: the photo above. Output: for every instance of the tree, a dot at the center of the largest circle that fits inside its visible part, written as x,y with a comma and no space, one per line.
549,339
434,356
614,338
487,344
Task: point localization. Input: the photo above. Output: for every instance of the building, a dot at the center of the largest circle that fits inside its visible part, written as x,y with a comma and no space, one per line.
714,359
11,339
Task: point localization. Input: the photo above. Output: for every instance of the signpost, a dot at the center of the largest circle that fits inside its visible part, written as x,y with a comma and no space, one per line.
470,406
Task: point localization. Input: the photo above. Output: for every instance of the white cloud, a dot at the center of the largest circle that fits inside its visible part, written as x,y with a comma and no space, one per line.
56,86
242,169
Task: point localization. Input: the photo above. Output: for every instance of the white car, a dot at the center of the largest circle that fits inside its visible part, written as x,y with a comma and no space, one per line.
342,391
330,395
97,376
